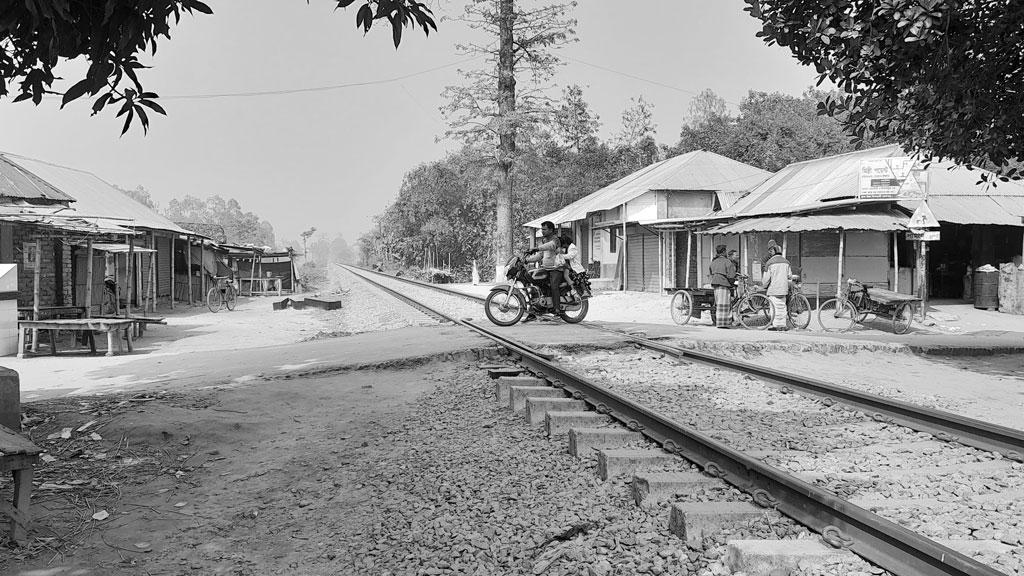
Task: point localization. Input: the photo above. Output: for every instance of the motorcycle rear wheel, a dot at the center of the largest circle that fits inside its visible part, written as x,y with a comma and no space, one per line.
498,313
575,316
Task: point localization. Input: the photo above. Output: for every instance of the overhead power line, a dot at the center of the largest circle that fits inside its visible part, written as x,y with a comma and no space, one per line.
640,78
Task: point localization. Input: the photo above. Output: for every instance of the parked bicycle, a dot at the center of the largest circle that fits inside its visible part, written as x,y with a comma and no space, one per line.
857,301
223,295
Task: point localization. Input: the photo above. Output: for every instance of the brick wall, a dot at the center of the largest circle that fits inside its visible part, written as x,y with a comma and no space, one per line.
50,294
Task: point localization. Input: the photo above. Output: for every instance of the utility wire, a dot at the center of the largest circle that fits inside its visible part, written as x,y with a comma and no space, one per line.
634,77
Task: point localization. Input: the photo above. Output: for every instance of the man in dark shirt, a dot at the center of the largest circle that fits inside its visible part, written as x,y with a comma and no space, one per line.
723,278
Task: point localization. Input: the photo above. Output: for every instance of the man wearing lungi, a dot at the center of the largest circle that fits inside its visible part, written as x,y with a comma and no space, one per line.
723,278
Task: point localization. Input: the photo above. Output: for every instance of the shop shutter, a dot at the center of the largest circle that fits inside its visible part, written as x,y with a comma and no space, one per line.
634,262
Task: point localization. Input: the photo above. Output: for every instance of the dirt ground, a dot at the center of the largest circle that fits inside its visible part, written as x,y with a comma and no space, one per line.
251,479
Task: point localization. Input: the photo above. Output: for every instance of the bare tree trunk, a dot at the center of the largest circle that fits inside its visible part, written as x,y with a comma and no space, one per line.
506,138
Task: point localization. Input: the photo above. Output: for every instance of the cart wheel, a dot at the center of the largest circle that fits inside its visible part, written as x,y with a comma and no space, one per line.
836,315
799,311
681,307
756,312
902,318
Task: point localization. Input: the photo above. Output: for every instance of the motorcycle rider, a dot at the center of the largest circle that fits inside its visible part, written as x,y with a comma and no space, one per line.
550,259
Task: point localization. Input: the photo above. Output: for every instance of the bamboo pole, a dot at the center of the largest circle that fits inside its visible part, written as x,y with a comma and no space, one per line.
689,255
88,278
252,273
117,288
922,276
842,253
700,263
129,276
785,244
173,294
35,292
188,248
895,262
625,254
202,272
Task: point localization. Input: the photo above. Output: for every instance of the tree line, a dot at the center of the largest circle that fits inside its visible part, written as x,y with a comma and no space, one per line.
443,215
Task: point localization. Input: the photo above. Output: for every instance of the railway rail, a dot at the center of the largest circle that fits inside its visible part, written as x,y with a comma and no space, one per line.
841,523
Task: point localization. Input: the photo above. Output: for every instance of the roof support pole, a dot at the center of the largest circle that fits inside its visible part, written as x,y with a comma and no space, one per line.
173,293
188,248
689,255
922,276
896,262
661,261
842,255
88,278
625,254
785,244
700,256
129,277
252,273
35,291
152,272
745,258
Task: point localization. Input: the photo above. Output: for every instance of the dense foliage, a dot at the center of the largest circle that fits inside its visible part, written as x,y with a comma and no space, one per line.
240,227
36,35
943,77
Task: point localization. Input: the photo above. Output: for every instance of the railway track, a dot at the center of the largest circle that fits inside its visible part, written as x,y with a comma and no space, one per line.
842,523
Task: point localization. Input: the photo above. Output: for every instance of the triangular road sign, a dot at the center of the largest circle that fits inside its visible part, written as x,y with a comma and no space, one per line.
923,217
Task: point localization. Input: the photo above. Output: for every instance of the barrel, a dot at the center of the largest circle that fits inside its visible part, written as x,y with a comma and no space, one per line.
986,289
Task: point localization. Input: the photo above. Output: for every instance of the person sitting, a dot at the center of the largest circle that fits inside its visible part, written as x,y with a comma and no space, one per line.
548,255
575,271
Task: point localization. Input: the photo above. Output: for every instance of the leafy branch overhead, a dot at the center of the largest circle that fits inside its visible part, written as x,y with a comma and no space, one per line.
36,35
942,77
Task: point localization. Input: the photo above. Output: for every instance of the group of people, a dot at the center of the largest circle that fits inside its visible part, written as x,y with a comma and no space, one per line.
776,277
560,255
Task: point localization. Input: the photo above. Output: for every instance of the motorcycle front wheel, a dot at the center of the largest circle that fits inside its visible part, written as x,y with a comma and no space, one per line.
500,314
578,314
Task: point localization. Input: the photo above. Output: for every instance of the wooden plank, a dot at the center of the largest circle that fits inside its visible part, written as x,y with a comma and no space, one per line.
12,443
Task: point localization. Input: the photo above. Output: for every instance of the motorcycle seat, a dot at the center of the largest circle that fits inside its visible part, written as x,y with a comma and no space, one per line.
539,274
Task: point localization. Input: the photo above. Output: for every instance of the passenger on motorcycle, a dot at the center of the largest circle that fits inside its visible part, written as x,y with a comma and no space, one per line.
550,257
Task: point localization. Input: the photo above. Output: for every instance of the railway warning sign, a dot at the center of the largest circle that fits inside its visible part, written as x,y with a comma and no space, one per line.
923,218
898,178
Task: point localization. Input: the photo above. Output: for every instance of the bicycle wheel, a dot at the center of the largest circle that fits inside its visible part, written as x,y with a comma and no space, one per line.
755,312
229,298
799,310
902,318
835,315
213,299
681,307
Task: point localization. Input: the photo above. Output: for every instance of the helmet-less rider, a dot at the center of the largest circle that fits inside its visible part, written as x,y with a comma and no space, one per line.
548,256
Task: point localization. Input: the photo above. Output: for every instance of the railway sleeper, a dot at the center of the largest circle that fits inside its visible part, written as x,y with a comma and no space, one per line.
559,423
694,521
584,441
518,395
538,408
615,462
503,383
651,488
766,556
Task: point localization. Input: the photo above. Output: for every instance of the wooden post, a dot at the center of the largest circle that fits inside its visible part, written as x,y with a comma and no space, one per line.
922,276
842,253
173,293
188,255
88,278
129,277
35,292
202,272
252,273
625,264
117,288
785,244
896,262
661,261
689,254
745,267
700,256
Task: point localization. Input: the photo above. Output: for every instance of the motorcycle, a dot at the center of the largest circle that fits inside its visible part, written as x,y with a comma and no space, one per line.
527,291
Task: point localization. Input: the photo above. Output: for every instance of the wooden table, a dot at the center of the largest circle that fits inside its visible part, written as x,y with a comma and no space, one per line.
47,312
18,457
112,326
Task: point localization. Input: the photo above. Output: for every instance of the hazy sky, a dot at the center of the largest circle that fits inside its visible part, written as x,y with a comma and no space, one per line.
335,158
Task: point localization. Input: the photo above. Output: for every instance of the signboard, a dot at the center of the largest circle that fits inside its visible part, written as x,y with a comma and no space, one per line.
898,178
923,217
31,256
923,235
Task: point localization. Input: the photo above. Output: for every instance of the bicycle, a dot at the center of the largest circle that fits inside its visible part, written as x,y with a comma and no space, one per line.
798,308
749,304
223,295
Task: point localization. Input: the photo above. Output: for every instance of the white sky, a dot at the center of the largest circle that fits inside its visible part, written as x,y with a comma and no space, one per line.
333,159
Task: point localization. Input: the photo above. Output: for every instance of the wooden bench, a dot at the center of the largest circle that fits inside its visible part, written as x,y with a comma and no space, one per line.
17,456
140,322
112,326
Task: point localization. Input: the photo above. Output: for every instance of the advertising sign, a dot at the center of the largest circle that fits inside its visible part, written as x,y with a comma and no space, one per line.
923,235
31,256
899,178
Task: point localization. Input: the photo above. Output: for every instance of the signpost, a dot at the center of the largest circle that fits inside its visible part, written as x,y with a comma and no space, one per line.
896,178
923,228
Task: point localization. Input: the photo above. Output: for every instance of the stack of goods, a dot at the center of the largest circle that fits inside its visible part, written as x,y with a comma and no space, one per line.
1011,288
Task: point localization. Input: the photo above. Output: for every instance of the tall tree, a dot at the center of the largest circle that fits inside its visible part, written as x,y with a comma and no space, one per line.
491,107
574,123
36,35
239,227
635,141
140,195
706,107
942,77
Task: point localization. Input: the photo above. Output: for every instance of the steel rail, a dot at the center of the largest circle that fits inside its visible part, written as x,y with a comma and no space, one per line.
945,426
841,523
436,314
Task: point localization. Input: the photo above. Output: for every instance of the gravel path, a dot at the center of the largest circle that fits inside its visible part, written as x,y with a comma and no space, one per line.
837,448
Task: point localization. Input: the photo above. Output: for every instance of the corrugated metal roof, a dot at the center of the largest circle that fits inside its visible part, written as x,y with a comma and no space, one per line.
92,195
697,170
62,218
809,184
16,182
1006,211
882,220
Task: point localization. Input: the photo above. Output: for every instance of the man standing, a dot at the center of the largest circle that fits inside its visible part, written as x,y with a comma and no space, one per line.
723,277
550,259
776,282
